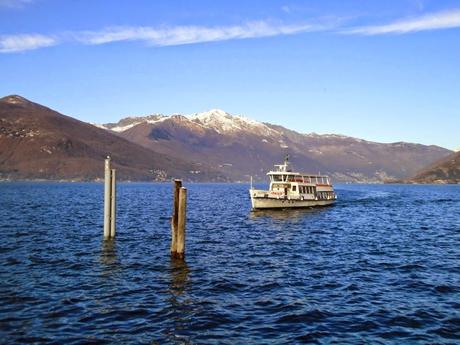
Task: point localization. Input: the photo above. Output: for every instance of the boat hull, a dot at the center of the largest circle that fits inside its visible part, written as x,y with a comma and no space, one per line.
274,203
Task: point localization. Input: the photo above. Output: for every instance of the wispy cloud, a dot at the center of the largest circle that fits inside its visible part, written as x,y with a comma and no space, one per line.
22,42
179,35
159,36
433,21
14,3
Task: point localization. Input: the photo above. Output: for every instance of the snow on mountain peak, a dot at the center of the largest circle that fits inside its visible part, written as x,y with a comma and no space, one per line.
212,116
222,121
216,119
130,122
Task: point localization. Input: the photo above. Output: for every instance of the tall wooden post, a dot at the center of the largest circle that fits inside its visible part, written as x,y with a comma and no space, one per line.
113,203
110,206
107,197
175,216
181,223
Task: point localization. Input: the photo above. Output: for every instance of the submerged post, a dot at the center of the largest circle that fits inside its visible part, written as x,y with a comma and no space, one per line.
175,216
181,223
107,197
113,202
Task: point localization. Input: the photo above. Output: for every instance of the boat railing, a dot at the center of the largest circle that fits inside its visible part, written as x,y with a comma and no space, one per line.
322,180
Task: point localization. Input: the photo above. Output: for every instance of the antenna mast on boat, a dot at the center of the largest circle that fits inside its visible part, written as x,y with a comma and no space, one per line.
286,162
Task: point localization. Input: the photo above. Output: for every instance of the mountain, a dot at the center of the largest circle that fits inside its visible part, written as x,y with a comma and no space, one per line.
446,170
39,143
241,147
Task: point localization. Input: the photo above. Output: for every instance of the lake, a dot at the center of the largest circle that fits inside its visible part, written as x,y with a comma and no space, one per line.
382,266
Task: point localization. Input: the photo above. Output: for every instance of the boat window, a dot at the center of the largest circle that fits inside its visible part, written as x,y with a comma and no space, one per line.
277,178
294,188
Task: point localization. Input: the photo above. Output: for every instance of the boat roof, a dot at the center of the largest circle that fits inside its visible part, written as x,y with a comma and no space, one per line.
283,169
294,173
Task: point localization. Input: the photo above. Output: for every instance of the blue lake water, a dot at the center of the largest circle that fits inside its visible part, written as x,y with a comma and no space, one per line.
381,266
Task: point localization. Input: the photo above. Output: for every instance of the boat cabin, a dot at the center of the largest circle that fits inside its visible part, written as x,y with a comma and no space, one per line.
292,185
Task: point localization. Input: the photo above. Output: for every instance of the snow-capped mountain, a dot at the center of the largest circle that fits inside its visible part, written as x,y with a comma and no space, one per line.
215,119
39,143
223,122
240,147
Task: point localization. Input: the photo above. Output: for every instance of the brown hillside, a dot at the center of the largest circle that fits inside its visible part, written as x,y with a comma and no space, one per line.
39,143
446,170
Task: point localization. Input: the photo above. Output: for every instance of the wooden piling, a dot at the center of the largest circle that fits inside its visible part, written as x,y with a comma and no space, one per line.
178,220
110,206
182,213
113,203
174,219
107,197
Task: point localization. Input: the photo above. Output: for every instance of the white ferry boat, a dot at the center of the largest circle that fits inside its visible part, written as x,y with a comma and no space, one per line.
290,189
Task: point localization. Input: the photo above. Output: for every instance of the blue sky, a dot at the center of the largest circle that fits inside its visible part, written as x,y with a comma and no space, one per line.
380,70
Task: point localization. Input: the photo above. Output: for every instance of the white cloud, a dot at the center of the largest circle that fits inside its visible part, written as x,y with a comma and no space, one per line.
162,36
14,3
21,42
179,35
434,21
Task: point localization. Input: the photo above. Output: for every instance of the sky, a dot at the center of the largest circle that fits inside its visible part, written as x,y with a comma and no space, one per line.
384,71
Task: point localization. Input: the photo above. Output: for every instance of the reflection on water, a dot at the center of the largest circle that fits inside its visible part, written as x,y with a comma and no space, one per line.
179,276
109,257
286,213
181,304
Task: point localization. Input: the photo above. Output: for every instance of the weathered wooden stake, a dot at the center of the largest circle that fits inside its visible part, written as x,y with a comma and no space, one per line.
113,203
181,223
107,197
175,216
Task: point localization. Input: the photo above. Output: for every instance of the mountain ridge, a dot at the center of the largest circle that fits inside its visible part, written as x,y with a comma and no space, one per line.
37,142
237,143
444,171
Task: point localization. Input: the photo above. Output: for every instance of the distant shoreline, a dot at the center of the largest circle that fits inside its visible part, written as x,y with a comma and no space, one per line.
218,182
